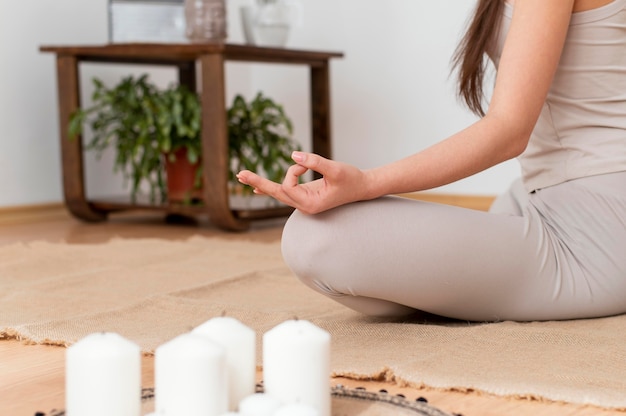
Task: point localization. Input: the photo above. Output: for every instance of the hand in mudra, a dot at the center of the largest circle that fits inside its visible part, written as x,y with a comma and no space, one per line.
341,184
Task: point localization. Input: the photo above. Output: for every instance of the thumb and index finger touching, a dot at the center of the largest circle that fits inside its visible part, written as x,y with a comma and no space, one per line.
311,161
304,161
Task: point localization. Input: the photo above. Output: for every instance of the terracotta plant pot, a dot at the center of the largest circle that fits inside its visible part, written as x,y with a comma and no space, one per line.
181,178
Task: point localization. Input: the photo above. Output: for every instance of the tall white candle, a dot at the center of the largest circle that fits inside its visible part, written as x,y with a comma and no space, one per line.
103,377
296,364
190,377
240,344
259,404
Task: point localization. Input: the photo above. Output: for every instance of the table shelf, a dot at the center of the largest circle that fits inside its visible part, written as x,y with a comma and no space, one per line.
124,203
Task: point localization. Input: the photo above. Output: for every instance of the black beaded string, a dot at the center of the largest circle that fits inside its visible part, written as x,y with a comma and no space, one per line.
339,391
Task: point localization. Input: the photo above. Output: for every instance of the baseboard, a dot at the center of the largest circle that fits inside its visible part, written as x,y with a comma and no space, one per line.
32,213
477,202
55,211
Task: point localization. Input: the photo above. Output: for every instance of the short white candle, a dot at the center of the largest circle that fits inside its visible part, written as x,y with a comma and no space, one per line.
103,377
259,404
239,342
296,364
190,377
296,409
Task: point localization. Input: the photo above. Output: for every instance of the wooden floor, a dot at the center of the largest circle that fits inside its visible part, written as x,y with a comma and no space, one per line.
32,376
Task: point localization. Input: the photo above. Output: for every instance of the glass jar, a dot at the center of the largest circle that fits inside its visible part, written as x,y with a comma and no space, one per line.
205,20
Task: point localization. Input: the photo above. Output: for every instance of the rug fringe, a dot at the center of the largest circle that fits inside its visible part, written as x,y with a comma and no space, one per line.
13,334
388,376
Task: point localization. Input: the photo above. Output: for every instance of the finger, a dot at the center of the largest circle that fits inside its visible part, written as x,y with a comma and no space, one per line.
292,177
259,183
314,162
292,195
264,186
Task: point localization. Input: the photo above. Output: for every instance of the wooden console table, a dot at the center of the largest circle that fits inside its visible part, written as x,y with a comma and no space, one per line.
211,59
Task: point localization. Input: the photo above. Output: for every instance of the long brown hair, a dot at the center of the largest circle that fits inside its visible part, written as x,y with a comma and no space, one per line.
469,57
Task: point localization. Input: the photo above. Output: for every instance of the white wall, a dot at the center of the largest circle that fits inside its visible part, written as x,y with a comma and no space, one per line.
391,94
29,155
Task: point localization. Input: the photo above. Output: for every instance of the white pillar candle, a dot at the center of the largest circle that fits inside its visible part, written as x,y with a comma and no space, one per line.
259,404
190,377
103,377
240,344
296,409
296,364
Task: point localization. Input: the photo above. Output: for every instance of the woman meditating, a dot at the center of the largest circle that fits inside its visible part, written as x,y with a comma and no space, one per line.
553,247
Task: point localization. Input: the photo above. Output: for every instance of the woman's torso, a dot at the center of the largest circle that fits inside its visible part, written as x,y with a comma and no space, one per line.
579,5
582,127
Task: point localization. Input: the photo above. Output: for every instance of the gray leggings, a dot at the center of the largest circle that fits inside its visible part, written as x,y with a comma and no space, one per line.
557,253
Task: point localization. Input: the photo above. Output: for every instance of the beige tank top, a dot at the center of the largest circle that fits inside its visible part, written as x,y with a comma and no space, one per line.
582,127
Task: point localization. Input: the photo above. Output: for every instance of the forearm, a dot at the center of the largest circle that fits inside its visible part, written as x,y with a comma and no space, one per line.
482,145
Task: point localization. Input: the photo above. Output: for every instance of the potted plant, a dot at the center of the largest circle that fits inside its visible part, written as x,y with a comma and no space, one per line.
260,140
156,132
149,129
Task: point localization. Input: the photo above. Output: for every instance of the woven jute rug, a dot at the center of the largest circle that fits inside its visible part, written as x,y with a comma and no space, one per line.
151,290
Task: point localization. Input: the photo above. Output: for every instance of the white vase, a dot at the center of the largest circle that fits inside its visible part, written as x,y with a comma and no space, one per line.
269,22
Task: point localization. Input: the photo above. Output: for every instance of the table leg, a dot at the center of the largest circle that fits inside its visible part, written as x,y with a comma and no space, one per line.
215,155
187,75
320,111
72,150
